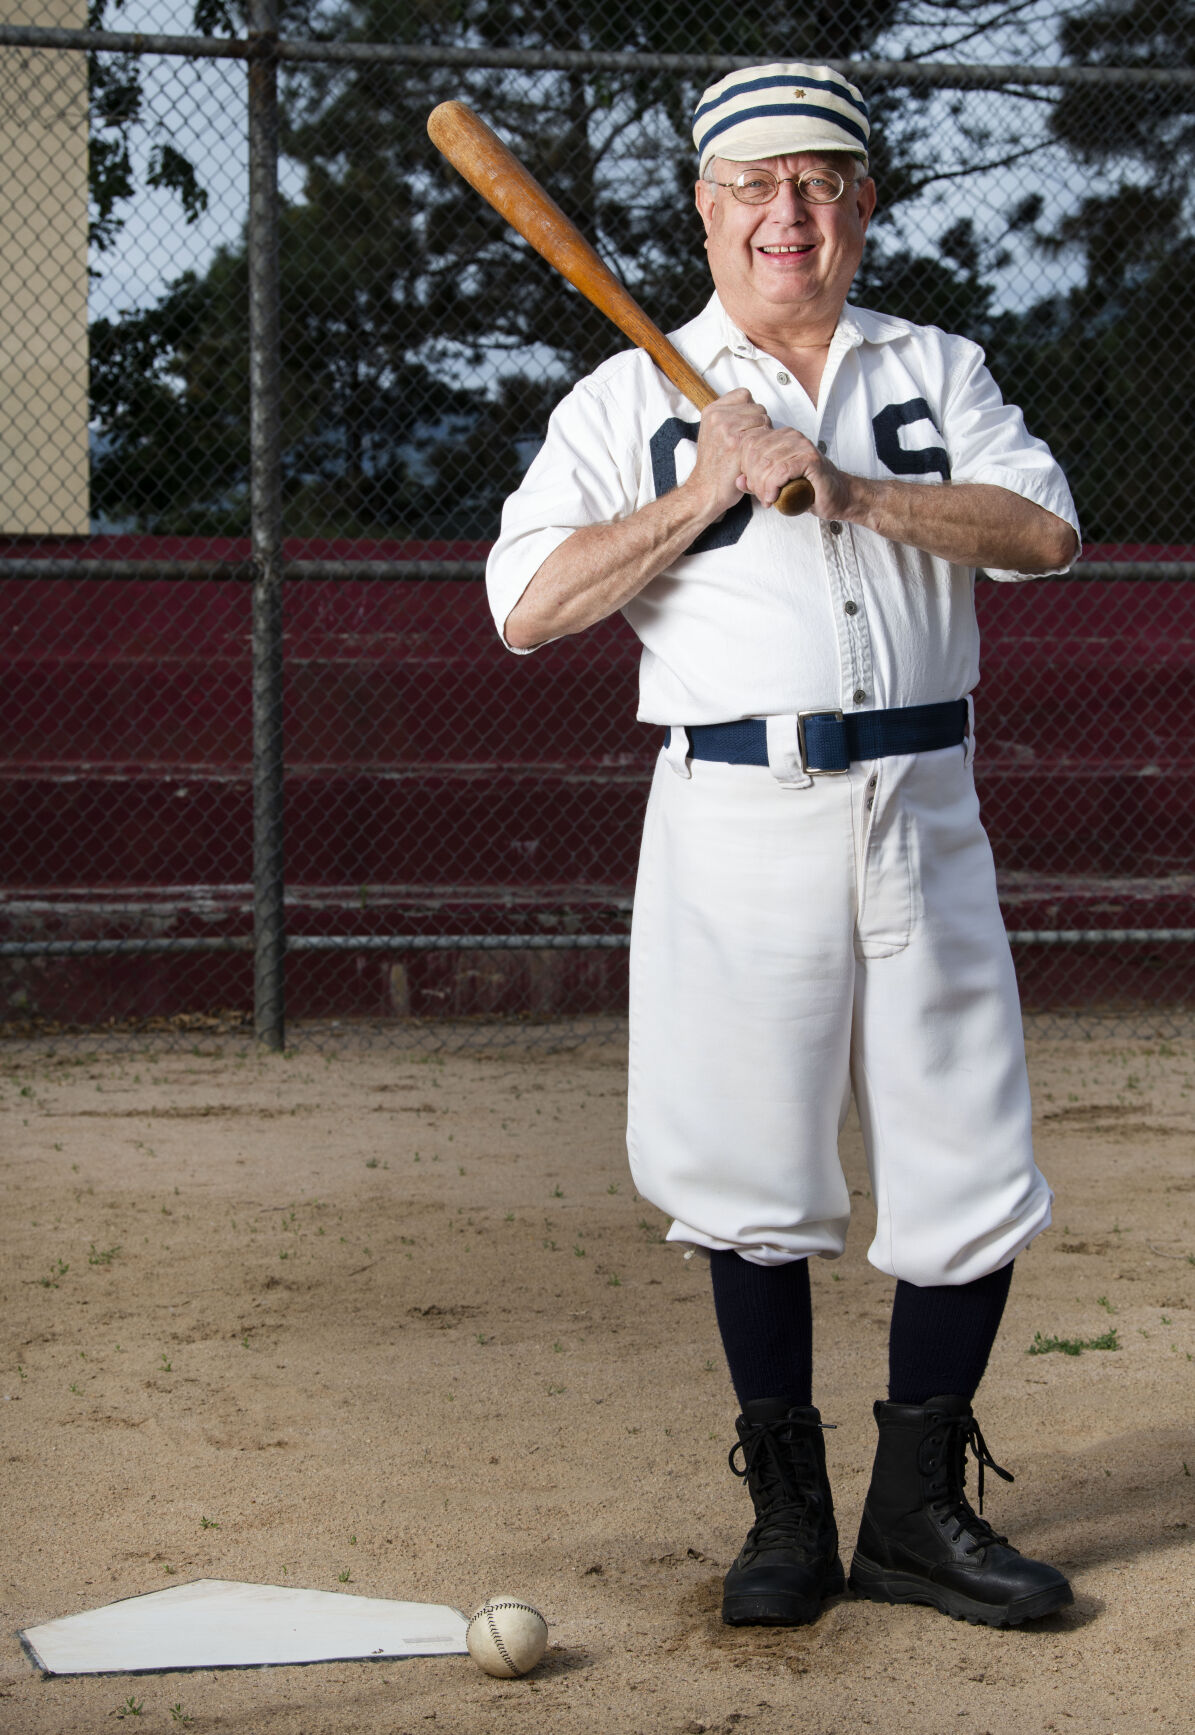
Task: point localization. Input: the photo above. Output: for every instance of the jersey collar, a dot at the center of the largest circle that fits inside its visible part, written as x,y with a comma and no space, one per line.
713,333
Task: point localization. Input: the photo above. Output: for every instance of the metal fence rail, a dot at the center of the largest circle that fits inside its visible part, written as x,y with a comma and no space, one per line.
316,367
264,43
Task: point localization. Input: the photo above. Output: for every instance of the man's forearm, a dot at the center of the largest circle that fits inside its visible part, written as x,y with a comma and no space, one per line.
602,566
968,523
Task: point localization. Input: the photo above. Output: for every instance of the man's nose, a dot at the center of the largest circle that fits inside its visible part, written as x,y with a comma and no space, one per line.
788,206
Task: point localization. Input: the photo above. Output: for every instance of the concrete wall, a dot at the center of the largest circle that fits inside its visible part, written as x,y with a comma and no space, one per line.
43,258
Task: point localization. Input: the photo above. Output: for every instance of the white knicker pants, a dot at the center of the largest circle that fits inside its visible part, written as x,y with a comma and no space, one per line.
792,945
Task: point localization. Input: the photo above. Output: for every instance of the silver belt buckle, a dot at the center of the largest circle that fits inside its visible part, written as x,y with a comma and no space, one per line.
810,770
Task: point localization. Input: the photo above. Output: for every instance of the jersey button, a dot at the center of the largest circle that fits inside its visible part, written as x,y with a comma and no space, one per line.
822,447
859,695
850,608
835,527
783,379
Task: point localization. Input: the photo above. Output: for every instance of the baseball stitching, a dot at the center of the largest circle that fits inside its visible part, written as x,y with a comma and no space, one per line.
496,1637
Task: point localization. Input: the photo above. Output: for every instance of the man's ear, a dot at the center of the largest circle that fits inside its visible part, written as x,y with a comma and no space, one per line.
865,197
703,198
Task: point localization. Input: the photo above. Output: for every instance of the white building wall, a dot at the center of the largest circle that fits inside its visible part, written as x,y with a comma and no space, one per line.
43,290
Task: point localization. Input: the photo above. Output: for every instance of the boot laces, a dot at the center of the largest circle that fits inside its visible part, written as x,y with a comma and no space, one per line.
783,1475
947,1469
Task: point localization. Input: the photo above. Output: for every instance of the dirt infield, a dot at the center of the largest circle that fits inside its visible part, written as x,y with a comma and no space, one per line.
401,1327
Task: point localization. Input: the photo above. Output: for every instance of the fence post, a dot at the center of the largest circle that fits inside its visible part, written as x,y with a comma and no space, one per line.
265,438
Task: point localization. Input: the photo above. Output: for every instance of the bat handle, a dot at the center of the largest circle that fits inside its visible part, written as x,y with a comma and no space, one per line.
795,497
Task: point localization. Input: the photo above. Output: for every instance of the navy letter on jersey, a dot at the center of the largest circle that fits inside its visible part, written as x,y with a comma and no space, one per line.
901,462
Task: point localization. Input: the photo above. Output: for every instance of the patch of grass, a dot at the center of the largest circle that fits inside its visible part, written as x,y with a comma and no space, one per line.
208,1524
178,1715
344,1577
1072,1345
131,1708
1102,1301
102,1256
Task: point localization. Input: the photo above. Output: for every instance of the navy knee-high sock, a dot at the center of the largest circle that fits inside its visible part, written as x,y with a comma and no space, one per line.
941,1337
765,1317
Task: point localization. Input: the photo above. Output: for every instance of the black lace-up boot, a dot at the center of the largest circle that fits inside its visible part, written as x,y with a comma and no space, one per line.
789,1561
920,1540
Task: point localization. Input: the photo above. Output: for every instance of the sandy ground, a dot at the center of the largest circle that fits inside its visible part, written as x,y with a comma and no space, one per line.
288,1320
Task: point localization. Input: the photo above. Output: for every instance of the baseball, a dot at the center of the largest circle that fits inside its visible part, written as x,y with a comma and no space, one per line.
506,1636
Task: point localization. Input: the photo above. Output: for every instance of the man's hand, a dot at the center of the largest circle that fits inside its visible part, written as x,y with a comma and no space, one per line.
740,452
726,424
773,456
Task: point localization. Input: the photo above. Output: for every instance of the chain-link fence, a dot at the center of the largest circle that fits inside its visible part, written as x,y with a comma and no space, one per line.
270,369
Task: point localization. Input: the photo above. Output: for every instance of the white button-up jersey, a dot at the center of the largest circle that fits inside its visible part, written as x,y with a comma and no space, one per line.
766,615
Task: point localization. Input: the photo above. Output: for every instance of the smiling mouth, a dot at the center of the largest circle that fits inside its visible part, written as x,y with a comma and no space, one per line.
776,250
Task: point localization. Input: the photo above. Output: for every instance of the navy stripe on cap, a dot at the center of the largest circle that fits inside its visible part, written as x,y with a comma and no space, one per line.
786,110
842,91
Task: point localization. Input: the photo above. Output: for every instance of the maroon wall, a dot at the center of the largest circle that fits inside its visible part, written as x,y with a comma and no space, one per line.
436,783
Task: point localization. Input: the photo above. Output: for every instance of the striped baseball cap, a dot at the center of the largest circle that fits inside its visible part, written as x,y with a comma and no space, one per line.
774,111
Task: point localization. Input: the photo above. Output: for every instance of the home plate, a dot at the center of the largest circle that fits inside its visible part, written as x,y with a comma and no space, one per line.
215,1624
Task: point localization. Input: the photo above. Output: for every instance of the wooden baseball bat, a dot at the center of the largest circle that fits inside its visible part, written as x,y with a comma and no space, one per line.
497,174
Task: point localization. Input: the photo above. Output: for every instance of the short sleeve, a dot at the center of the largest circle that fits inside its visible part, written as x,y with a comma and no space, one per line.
586,472
988,442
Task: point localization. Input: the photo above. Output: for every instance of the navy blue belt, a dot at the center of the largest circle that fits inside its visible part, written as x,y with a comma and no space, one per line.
830,742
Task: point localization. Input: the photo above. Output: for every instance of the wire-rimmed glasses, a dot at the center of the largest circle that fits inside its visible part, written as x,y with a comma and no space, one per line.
759,186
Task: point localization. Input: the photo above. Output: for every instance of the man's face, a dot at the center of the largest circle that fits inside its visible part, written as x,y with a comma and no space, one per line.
786,255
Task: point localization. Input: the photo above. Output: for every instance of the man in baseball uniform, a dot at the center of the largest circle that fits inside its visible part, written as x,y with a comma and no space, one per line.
816,912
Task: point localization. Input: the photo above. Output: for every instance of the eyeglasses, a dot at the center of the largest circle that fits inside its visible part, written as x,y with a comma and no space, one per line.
760,186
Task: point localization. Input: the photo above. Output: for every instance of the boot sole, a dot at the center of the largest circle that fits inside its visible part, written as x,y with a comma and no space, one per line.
877,1584
779,1610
